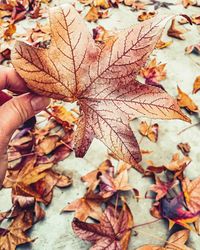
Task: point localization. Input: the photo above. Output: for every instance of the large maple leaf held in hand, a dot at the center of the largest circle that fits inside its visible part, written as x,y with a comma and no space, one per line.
101,78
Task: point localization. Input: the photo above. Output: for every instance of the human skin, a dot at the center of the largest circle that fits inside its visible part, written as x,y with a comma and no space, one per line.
16,111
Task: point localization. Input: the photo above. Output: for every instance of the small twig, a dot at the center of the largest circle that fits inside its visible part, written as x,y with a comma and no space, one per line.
21,156
147,223
191,126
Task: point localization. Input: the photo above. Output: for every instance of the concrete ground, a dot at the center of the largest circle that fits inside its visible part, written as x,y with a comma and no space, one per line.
55,232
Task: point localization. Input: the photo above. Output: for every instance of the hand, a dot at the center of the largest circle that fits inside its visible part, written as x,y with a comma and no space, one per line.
15,112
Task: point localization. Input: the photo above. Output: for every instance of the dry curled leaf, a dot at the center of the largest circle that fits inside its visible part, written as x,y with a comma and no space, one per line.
191,190
193,49
184,101
113,232
8,33
185,148
95,13
176,31
74,68
177,241
150,131
187,3
146,15
196,85
161,44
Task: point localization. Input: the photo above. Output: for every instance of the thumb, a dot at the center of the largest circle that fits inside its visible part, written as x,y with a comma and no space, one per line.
12,114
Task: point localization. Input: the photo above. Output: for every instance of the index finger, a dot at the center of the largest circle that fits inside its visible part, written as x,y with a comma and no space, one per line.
9,79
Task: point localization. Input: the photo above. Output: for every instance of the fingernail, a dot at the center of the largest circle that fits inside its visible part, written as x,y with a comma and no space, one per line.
39,103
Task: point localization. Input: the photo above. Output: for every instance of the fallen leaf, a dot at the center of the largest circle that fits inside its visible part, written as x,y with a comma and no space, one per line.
150,131
4,55
92,177
153,72
161,188
113,231
161,45
95,13
176,31
146,15
187,3
98,70
193,49
138,5
191,190
185,148
184,101
177,241
174,210
177,163
101,3
15,234
8,33
196,85
85,207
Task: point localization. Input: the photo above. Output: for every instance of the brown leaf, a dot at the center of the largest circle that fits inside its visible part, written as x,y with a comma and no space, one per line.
161,188
15,234
185,148
85,207
92,177
177,164
113,231
175,242
74,68
146,15
184,101
47,145
193,49
176,31
191,190
95,13
196,85
153,72
161,45
150,131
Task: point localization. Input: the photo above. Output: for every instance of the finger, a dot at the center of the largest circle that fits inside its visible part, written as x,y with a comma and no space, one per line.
9,79
13,113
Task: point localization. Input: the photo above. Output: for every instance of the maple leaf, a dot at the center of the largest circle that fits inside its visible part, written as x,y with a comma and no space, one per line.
111,184
15,235
92,177
174,210
85,207
191,190
153,72
99,78
113,232
175,242
162,188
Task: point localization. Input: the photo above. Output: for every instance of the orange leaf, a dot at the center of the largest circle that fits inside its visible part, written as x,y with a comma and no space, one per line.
196,85
150,131
176,31
184,101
